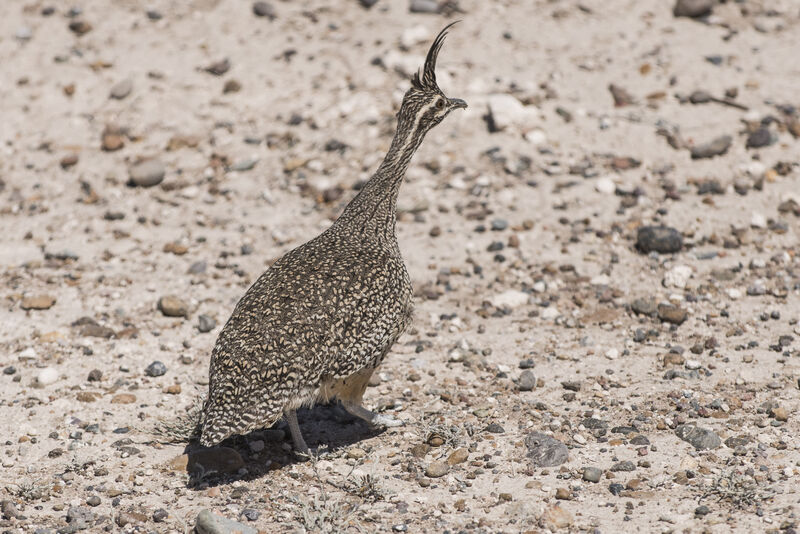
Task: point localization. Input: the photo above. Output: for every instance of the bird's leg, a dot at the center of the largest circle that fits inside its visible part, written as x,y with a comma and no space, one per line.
299,443
377,419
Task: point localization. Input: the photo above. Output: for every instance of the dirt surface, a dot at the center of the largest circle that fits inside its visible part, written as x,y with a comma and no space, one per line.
536,311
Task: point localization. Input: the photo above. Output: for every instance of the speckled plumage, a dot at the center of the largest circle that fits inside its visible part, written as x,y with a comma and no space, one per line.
318,322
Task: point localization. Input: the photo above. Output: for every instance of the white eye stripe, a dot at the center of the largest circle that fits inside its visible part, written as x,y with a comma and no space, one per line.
424,109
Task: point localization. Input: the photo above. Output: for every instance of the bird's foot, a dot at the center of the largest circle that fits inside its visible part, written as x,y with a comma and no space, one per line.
386,420
377,419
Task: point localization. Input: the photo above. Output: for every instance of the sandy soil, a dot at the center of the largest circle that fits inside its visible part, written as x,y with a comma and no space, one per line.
520,244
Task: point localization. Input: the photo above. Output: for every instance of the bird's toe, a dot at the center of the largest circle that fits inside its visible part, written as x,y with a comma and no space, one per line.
387,420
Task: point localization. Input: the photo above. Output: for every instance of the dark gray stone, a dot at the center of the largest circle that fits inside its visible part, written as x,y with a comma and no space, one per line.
527,382
700,438
264,9
759,138
661,239
626,465
693,8
156,368
597,427
545,451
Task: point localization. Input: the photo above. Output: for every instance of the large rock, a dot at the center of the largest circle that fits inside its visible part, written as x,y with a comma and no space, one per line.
210,523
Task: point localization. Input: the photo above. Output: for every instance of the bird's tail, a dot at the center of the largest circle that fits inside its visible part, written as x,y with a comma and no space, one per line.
184,428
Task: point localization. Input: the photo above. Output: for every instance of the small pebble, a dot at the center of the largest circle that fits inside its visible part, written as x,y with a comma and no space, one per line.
545,451
563,494
715,147
172,306
424,6
699,437
592,474
527,381
437,469
264,9
38,302
121,89
211,523
206,323
495,428
147,173
156,368
693,8
160,515
46,376
661,239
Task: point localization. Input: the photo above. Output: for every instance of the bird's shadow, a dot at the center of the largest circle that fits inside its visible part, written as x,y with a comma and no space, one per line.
325,427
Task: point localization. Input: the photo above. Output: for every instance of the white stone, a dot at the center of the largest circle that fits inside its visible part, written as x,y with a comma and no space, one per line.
734,293
46,376
540,286
579,439
755,169
506,111
510,299
692,364
758,220
678,276
551,312
27,354
414,35
601,280
536,137
190,192
612,354
605,185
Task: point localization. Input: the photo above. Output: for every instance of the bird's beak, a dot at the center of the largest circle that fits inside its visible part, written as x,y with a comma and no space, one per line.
457,103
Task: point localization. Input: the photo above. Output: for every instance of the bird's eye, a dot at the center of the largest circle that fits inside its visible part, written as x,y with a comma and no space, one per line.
440,104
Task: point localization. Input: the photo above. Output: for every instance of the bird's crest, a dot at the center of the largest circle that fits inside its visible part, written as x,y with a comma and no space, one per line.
427,80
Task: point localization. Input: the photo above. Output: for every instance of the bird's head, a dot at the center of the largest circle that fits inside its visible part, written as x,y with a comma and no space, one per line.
425,105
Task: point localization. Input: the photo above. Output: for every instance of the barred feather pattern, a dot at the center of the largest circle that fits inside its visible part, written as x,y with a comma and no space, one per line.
331,308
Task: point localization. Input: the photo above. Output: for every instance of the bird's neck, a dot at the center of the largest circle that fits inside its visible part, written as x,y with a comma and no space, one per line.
373,212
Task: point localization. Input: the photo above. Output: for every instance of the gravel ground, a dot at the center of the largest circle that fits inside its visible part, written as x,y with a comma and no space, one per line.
604,250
